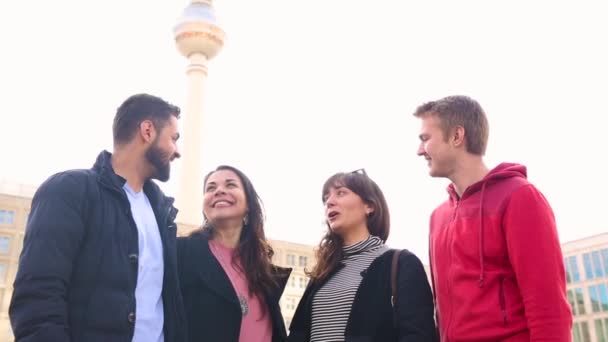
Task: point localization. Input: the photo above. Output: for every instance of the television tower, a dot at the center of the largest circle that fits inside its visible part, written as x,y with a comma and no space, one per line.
198,38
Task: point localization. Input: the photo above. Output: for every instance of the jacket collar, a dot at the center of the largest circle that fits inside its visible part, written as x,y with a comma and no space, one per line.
109,178
211,273
162,205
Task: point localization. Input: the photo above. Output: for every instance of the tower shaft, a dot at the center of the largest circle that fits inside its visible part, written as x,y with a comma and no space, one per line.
190,193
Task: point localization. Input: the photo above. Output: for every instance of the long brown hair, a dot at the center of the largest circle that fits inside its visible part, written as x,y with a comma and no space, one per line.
253,249
329,253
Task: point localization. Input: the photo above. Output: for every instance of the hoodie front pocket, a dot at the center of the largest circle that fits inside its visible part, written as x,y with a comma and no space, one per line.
502,301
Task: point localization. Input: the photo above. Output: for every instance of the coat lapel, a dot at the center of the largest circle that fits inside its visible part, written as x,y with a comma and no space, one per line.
211,273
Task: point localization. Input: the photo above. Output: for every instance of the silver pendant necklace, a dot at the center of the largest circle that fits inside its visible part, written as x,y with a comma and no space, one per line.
228,268
244,305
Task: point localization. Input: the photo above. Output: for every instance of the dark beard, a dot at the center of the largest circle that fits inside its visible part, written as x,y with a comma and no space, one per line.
160,162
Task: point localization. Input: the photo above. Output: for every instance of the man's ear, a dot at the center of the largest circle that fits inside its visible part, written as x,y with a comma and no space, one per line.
458,136
147,131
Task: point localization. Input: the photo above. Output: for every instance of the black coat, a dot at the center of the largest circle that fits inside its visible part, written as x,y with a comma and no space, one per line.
371,316
78,268
213,312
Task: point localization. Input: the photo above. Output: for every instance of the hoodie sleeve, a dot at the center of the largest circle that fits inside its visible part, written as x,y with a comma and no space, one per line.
536,257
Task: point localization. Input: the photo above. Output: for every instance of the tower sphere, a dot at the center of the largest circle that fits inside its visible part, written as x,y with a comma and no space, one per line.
197,30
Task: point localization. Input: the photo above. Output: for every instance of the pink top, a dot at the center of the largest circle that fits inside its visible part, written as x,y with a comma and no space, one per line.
255,326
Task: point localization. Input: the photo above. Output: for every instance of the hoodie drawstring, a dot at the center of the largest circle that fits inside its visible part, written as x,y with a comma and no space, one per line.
481,237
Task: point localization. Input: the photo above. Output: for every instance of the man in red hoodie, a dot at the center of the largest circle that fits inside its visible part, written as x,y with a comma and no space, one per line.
496,262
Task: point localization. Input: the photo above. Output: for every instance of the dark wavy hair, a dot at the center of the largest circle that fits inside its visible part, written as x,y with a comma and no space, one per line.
253,249
329,253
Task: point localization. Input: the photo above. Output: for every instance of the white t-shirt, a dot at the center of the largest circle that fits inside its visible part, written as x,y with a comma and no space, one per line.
149,314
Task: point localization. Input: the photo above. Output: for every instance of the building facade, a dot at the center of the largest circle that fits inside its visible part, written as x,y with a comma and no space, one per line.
300,258
586,262
15,202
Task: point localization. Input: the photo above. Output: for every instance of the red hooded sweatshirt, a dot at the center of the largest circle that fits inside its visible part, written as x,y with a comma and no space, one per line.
497,265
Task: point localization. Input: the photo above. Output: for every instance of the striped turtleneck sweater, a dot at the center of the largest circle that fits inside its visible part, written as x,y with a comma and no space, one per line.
331,305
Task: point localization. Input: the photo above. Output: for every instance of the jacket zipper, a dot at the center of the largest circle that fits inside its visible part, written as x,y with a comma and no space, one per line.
450,246
455,211
503,302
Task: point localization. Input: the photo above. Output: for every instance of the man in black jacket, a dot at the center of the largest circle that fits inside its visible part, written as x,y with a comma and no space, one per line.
95,266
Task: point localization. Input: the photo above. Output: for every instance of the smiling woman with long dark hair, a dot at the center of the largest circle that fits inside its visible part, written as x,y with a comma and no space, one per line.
231,290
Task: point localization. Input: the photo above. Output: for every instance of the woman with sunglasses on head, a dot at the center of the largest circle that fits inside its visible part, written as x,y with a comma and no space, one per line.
349,297
230,289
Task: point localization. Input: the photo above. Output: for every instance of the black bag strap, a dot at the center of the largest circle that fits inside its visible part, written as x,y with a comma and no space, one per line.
394,273
394,278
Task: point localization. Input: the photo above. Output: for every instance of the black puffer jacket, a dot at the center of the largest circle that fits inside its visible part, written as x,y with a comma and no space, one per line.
78,268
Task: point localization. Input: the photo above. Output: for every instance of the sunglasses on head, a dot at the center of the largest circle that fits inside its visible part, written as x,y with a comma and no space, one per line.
360,171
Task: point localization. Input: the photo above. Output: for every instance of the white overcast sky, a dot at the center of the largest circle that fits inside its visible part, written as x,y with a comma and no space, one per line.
304,89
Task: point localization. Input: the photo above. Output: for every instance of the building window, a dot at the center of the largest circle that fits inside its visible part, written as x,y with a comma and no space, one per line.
597,264
290,303
595,300
580,332
571,301
601,330
291,260
568,281
577,301
2,272
585,332
7,216
605,260
603,297
302,261
5,243
588,267
293,282
576,333
302,283
580,301
573,267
